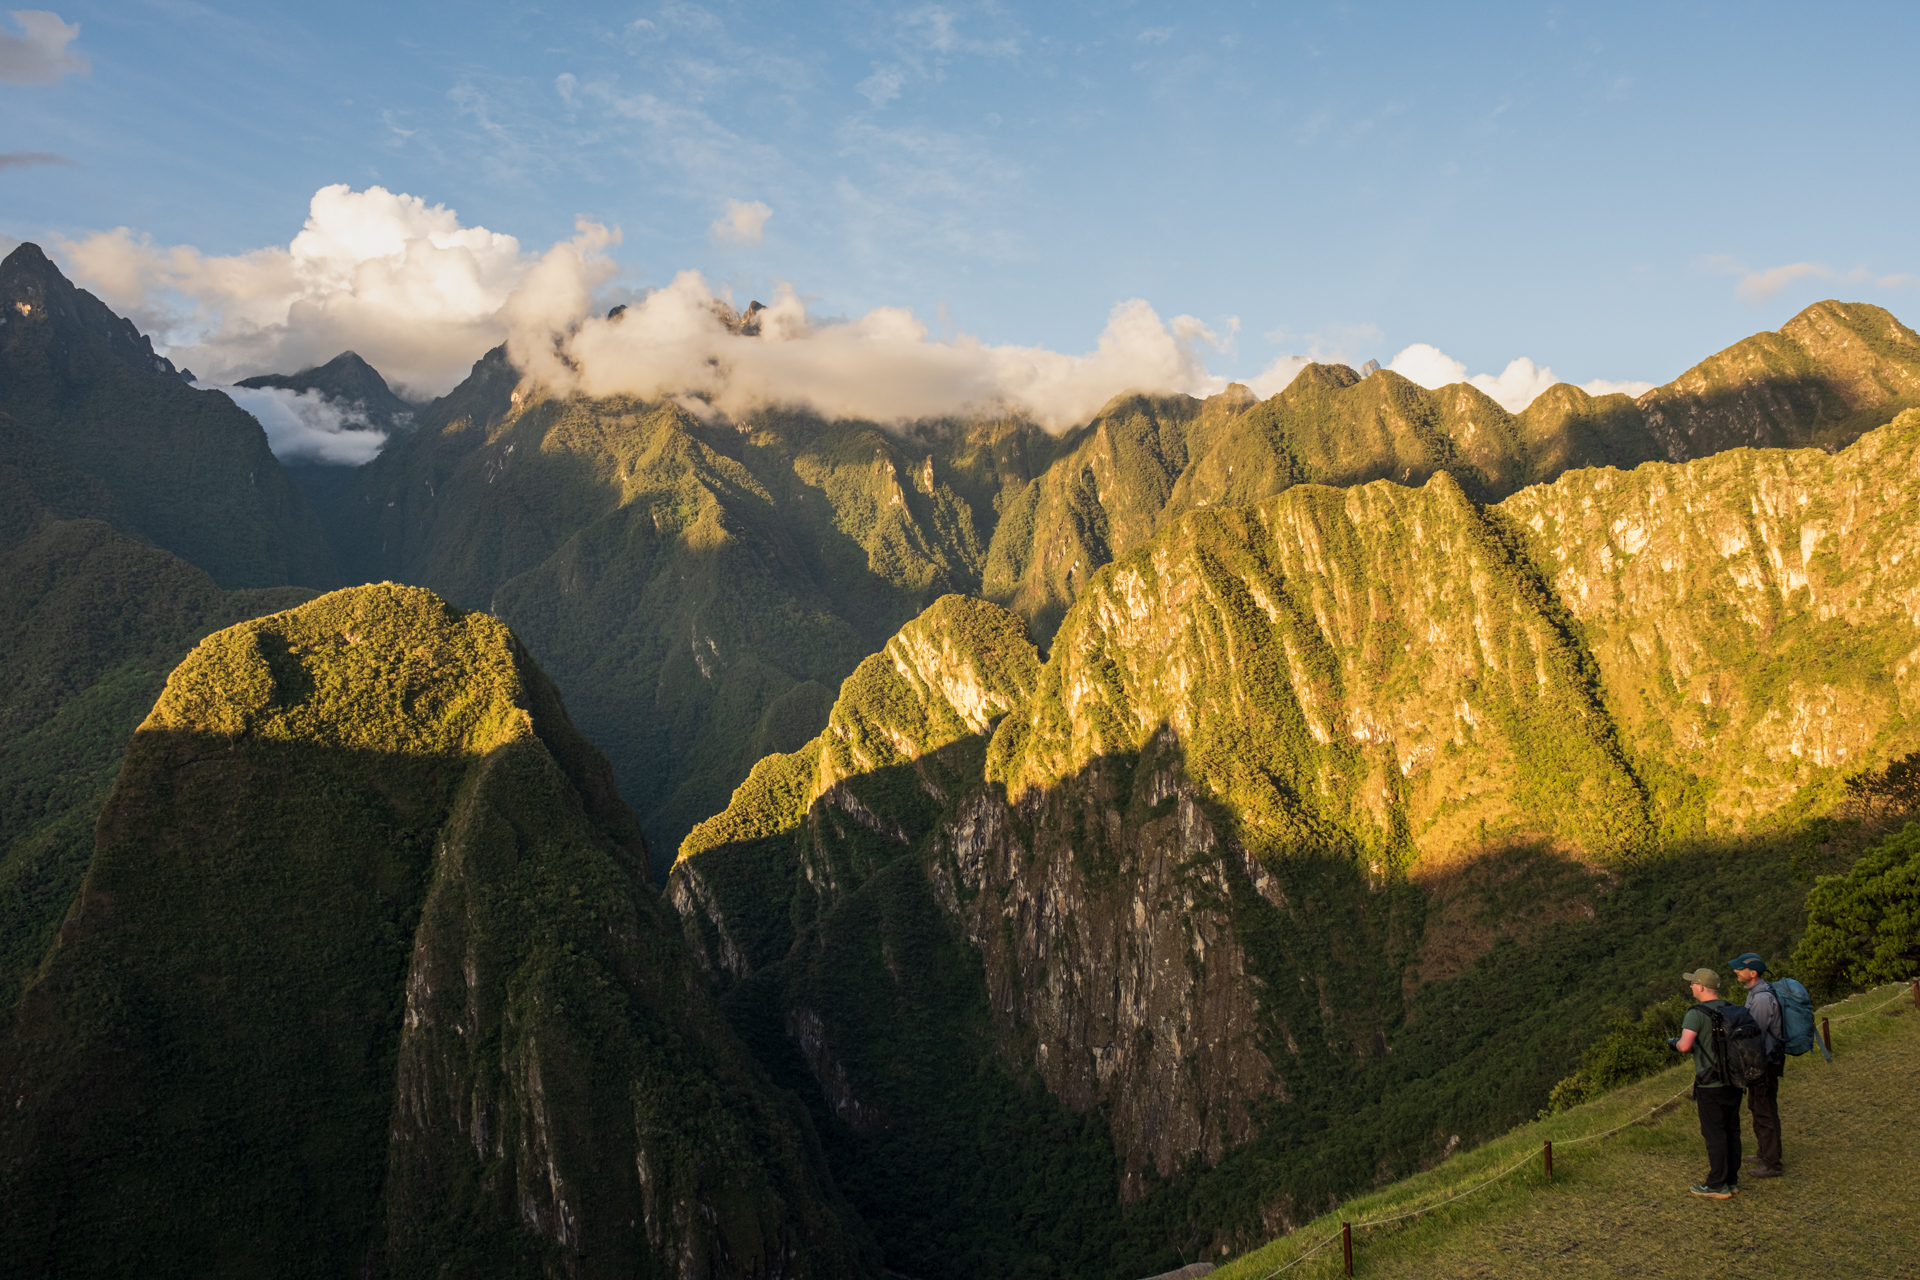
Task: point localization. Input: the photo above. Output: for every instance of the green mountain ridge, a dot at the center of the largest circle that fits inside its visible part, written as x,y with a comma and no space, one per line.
1227,876
366,976
1223,803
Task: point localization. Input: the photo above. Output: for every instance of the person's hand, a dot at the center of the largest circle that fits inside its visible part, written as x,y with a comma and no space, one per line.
1673,1043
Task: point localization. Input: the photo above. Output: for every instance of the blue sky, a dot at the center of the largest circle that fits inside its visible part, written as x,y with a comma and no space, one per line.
1598,188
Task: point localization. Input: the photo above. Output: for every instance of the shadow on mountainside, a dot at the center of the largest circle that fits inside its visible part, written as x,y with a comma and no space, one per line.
326,1011
1399,1017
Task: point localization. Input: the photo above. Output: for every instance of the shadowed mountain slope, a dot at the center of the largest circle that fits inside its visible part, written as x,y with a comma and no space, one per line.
91,621
1328,829
365,978
187,470
697,588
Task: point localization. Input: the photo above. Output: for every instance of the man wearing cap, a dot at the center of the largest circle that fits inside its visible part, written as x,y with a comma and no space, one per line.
1717,1101
1763,1100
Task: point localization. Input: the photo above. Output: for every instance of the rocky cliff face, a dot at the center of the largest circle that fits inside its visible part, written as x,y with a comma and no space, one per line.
1182,864
364,977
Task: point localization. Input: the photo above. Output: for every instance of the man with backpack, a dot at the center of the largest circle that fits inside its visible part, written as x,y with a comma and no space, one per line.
1763,1099
1728,1055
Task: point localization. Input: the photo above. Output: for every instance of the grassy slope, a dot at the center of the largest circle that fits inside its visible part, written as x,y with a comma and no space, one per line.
1850,1203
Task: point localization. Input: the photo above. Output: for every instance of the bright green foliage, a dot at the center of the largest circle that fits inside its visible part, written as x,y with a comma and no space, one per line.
1833,372
1864,927
365,973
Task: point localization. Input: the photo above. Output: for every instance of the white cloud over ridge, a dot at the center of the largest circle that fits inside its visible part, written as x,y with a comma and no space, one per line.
38,55
371,271
422,296
303,426
1513,389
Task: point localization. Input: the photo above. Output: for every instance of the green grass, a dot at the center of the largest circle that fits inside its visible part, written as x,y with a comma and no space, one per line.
1619,1205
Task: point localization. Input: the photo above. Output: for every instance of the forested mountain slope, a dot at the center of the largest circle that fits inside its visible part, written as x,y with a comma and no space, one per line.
91,621
366,978
1329,824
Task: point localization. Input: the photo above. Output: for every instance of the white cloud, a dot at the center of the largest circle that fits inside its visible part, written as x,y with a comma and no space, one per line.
385,274
38,55
1513,389
743,222
1757,287
883,86
882,366
1604,387
303,426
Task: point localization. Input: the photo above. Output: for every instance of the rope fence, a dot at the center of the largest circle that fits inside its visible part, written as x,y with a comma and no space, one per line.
1345,1234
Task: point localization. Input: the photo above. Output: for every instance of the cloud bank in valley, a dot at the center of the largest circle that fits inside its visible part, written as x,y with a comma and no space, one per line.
304,426
423,296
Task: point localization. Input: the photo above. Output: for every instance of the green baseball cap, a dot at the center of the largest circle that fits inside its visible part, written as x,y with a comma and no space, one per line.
1702,978
1748,960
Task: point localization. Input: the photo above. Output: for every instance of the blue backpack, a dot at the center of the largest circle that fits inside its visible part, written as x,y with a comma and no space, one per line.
1796,1018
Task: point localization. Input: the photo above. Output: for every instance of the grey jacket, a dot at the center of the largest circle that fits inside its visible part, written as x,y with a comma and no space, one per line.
1765,1008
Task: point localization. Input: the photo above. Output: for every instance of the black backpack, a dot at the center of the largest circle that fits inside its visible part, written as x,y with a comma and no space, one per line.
1739,1047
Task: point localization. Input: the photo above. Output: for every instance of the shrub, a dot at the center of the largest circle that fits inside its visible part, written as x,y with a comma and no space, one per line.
1864,927
1630,1050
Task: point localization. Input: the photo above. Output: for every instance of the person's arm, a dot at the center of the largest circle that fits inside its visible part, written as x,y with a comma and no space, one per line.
1685,1043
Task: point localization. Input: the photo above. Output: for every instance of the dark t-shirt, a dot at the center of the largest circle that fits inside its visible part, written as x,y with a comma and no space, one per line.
1705,1064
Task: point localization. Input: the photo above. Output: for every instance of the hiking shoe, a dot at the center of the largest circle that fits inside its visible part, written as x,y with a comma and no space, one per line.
1765,1171
1712,1193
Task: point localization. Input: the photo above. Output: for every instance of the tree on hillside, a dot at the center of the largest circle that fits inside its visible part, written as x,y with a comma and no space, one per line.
1864,927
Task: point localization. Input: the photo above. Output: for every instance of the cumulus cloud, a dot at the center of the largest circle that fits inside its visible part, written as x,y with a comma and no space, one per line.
304,426
742,222
38,55
883,366
373,271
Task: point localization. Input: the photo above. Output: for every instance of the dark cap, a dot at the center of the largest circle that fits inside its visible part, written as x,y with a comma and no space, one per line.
1748,960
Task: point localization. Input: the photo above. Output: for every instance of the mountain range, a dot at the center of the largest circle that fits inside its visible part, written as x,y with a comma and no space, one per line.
1080,852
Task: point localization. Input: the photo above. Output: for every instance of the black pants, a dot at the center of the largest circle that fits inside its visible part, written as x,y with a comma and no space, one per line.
1720,1126
1763,1103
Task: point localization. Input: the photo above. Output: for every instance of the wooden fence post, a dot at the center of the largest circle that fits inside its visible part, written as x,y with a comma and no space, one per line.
1549,1159
1826,1035
1346,1244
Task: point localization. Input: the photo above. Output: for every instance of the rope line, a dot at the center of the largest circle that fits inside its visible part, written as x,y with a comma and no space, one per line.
1527,1159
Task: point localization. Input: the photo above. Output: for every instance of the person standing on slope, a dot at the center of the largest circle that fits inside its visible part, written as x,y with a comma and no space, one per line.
1718,1102
1763,1100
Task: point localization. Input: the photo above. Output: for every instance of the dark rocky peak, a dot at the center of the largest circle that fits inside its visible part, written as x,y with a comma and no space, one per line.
45,319
346,380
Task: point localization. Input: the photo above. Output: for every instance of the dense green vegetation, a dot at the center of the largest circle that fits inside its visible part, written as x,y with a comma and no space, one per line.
365,975
1864,927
